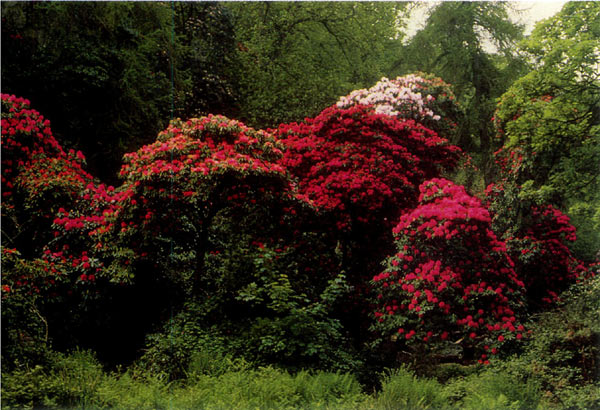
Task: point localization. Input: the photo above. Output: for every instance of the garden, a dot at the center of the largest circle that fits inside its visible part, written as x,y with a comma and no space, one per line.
296,205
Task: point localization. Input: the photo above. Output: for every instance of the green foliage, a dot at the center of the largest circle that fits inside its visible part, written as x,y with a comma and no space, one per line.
68,380
267,388
205,59
24,329
303,331
494,390
181,345
290,330
77,380
102,71
551,114
296,58
585,215
563,352
452,46
400,388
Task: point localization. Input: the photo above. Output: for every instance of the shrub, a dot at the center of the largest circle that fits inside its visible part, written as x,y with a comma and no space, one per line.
537,235
279,327
38,177
450,281
563,351
419,96
172,230
361,169
25,339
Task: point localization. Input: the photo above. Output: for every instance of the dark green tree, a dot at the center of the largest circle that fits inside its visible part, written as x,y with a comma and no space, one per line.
101,72
205,60
456,45
295,58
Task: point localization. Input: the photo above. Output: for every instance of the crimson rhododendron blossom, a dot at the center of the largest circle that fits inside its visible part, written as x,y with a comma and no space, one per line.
450,280
422,97
206,213
178,192
537,236
362,166
38,176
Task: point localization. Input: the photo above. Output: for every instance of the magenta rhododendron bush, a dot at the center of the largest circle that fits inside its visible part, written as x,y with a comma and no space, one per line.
450,280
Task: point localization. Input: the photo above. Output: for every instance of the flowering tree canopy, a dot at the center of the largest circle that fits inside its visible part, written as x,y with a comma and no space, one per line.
450,279
173,192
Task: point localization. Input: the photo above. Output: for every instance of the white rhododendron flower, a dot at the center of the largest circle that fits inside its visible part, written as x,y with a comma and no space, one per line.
399,97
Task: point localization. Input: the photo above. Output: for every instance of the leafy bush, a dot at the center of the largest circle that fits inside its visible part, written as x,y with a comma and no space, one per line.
288,331
537,236
451,281
178,350
563,352
25,338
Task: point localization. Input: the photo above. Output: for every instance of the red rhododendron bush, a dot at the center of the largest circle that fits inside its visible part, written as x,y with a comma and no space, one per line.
362,169
450,281
38,177
205,214
537,236
173,191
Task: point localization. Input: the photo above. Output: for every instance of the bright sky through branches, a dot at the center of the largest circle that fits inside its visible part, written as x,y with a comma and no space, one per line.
530,13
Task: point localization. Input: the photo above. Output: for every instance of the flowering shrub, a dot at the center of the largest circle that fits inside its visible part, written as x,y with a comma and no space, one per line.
198,213
421,97
197,175
537,236
451,280
24,329
361,165
38,177
361,169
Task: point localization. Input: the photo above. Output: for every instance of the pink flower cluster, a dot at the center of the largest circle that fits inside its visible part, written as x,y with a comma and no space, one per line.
451,279
421,97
